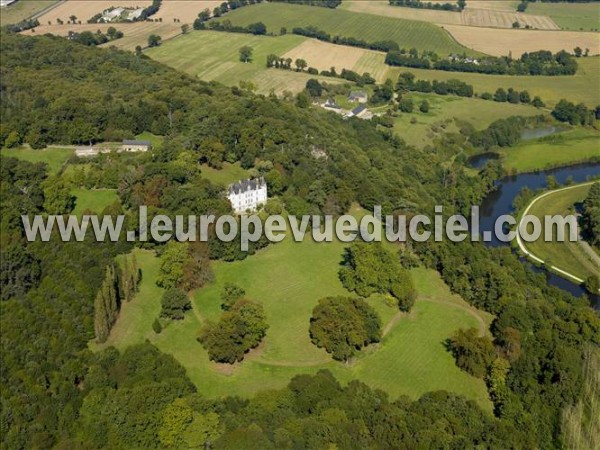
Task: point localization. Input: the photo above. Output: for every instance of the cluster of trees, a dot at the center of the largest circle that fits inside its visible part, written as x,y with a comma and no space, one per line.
150,10
174,303
277,62
542,62
324,3
580,114
26,24
458,6
258,28
344,325
184,265
591,216
220,10
369,268
89,38
473,353
513,96
407,82
500,133
242,327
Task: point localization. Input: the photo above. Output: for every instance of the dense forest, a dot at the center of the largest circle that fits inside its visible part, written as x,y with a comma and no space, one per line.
57,393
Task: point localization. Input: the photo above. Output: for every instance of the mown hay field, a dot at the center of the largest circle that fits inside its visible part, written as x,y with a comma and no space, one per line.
499,42
371,28
214,55
134,33
86,9
185,11
472,16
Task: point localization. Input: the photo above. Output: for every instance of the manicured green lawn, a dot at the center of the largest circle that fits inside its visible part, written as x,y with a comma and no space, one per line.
225,176
567,256
289,278
564,148
444,109
54,157
569,16
407,33
94,200
153,138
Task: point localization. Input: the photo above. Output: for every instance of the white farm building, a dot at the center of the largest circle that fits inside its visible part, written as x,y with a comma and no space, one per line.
247,194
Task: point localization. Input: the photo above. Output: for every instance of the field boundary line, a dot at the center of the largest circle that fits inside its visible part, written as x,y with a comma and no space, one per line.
529,254
47,9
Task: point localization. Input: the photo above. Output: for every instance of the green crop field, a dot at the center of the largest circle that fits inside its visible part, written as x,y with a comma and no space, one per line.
371,28
53,156
444,109
213,55
22,10
570,16
289,278
569,147
93,200
568,256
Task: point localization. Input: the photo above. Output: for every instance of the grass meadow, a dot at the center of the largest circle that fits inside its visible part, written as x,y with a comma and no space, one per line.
444,109
94,200
568,256
22,10
288,278
55,157
569,16
407,33
564,148
230,173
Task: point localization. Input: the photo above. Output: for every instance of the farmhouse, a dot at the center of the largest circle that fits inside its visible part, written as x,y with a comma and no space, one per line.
110,15
133,15
360,97
330,104
247,194
361,112
135,146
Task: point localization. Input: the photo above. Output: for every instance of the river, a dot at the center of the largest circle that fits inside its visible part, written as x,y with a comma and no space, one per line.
500,202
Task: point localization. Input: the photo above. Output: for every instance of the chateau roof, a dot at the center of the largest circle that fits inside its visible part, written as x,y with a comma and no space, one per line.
246,185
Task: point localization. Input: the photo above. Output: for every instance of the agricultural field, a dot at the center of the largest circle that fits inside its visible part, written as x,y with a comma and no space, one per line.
185,11
472,16
289,278
500,42
444,109
55,157
93,200
134,33
407,33
570,16
561,149
567,256
213,55
23,9
84,10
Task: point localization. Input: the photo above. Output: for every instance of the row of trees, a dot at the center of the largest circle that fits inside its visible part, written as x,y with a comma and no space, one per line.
458,6
323,3
542,62
566,111
591,216
98,38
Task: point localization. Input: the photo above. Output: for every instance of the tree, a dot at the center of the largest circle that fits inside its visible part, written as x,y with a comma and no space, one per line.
185,28
516,24
174,303
314,88
473,353
245,54
283,31
424,106
154,40
175,419
537,102
302,100
513,96
344,325
239,329
12,140
577,51
73,19
301,64
461,4
58,198
230,294
156,326
500,95
138,50
106,305
172,259
257,28
524,97
406,105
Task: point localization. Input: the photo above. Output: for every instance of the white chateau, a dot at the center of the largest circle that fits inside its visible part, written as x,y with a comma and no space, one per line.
247,194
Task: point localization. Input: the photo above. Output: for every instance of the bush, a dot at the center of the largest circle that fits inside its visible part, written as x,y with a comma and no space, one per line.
174,304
